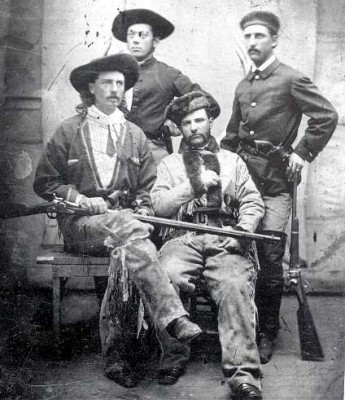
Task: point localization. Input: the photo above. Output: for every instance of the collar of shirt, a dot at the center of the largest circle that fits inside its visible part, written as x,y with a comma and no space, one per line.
117,117
266,64
147,63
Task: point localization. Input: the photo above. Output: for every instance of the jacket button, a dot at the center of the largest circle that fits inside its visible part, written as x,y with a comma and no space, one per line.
251,133
257,76
253,104
245,158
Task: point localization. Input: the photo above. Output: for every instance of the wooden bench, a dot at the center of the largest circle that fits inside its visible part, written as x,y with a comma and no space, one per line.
66,265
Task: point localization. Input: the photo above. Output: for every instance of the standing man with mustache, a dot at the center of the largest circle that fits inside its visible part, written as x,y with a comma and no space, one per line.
158,82
267,110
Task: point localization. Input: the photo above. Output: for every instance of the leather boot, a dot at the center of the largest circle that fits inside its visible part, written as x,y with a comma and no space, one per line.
269,292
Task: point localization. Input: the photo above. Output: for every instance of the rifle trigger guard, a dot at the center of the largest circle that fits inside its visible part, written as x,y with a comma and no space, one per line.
51,214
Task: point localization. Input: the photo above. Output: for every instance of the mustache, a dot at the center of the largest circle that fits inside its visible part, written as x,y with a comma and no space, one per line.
114,96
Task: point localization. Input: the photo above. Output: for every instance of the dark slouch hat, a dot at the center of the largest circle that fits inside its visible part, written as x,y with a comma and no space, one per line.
161,27
81,76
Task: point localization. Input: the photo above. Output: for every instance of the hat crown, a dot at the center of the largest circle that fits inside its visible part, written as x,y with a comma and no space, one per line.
81,76
266,18
186,104
161,26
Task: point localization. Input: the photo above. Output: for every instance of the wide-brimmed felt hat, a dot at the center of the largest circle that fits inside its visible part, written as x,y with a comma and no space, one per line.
190,102
265,18
81,76
161,27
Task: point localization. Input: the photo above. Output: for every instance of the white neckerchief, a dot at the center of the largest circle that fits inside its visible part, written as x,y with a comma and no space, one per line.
129,98
266,64
100,124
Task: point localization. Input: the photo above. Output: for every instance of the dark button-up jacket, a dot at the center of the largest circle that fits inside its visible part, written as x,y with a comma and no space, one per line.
67,167
157,85
270,107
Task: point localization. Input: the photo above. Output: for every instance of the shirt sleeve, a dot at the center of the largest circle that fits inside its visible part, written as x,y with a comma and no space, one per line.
166,197
52,169
322,121
251,205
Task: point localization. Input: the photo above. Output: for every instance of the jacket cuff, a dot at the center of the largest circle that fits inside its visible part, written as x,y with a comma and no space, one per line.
72,195
244,228
304,153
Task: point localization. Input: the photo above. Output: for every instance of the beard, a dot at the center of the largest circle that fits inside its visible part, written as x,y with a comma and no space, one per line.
197,141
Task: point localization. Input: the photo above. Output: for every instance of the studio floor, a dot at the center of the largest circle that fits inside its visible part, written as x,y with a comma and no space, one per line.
286,377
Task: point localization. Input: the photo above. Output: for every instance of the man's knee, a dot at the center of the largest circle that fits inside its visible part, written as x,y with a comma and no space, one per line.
232,288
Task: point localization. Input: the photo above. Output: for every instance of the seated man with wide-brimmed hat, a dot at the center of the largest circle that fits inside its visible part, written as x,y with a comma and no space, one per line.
94,159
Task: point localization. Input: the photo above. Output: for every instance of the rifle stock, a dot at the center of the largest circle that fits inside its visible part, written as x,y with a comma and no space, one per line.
311,349
21,210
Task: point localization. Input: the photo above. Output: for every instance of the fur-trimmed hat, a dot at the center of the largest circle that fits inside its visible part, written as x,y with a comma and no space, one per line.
266,18
81,76
161,27
193,101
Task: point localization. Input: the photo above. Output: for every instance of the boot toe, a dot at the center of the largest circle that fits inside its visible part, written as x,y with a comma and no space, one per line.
122,374
171,376
245,391
184,330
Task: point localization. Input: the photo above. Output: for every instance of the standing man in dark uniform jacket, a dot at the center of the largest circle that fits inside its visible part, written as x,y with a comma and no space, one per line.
158,82
267,111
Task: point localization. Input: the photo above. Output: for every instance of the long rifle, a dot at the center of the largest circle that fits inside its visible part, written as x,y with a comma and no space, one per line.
58,206
311,349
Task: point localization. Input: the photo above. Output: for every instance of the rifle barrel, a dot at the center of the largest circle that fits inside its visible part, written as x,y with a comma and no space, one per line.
169,223
19,210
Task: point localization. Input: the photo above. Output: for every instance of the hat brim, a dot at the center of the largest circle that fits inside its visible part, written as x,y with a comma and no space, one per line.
162,28
81,76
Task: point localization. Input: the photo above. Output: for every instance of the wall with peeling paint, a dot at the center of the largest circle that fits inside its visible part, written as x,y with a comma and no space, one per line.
20,131
325,192
202,46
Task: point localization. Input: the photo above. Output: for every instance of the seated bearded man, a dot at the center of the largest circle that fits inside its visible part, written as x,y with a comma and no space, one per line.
92,158
205,183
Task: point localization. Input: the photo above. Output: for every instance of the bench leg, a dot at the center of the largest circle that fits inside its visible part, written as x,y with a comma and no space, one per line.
57,310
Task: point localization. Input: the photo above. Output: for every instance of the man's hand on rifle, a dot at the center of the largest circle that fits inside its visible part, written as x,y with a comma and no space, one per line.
142,211
94,205
295,166
231,245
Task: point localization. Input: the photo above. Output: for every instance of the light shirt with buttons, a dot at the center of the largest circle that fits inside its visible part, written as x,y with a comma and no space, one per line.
100,125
